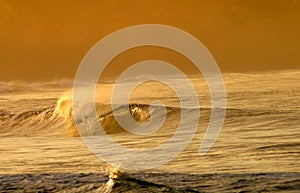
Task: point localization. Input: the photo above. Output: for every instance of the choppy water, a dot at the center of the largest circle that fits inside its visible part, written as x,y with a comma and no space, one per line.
258,148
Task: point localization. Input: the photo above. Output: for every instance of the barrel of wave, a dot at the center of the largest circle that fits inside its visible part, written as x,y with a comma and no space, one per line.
105,116
64,109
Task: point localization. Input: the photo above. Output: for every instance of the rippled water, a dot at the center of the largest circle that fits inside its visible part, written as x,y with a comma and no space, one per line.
260,138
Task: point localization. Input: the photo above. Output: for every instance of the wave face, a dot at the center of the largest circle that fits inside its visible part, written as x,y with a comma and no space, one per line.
57,118
60,119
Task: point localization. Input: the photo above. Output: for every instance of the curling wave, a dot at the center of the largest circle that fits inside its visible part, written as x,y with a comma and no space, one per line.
58,120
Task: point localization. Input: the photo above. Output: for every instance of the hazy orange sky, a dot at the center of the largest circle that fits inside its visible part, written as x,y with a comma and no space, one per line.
47,39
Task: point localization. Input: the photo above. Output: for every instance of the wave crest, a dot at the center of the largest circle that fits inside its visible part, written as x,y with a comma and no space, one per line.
58,120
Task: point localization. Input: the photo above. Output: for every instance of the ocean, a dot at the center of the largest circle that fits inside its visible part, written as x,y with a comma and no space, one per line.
258,149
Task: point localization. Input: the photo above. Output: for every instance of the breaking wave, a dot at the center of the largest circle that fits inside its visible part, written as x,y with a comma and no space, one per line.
57,120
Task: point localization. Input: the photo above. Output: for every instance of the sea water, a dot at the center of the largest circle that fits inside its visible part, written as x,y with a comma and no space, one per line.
258,148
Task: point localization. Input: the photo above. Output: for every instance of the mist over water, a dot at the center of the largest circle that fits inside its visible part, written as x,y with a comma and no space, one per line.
260,134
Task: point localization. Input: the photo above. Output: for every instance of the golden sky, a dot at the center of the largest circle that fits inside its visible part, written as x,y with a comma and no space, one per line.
47,39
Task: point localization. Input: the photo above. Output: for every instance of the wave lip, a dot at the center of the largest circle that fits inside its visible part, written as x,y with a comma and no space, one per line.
58,120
